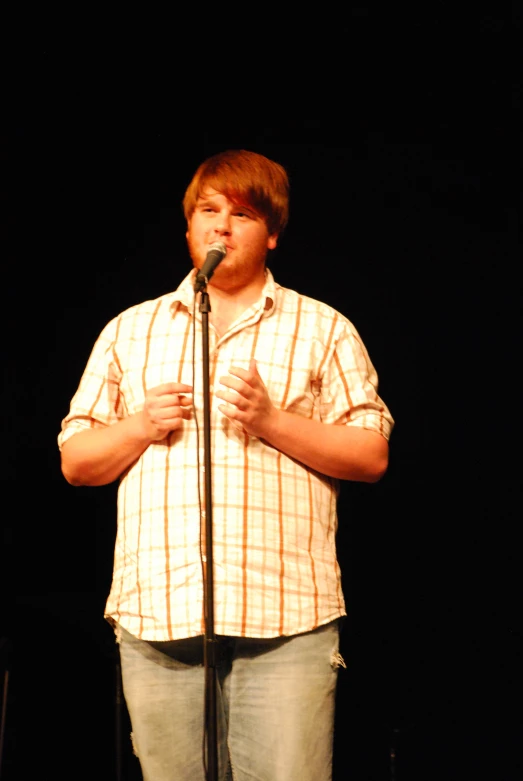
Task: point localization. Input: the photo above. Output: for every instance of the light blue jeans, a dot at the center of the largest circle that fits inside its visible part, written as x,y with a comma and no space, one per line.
275,706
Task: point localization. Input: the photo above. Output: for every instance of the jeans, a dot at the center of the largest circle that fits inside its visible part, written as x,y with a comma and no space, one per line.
275,702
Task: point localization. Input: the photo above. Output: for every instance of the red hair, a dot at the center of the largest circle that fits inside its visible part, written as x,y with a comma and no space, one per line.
246,178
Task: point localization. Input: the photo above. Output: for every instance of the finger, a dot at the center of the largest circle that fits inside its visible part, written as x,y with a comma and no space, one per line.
167,401
232,398
252,371
186,412
175,400
233,384
170,387
229,413
167,406
243,374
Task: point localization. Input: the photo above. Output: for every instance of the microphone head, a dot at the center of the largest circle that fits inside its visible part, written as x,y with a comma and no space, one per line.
219,247
215,255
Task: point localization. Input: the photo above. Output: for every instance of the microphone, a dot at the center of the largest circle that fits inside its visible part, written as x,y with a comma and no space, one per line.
215,255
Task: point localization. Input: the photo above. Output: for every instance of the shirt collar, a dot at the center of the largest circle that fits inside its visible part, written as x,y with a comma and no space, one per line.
184,293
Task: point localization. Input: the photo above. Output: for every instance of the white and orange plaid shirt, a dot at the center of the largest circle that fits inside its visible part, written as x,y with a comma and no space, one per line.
274,520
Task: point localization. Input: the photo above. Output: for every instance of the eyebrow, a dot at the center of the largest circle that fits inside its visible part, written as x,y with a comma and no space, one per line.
205,201
210,201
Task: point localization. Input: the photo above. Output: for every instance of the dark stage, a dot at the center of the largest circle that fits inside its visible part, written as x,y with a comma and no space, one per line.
404,217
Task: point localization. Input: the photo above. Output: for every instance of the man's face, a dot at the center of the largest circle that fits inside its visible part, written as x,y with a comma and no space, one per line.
244,233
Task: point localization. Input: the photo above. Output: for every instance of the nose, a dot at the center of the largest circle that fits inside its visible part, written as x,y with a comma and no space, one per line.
223,223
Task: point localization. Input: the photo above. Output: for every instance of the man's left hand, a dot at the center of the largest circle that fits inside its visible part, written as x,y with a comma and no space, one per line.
248,406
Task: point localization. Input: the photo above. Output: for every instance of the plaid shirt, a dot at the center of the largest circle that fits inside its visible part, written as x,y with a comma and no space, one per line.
274,519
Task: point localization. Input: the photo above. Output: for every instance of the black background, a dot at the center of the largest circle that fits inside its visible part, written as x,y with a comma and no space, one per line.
399,135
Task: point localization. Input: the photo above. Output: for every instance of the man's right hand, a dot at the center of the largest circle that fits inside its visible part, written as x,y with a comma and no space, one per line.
165,409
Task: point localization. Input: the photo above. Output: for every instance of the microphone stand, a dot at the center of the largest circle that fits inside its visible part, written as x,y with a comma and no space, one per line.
209,647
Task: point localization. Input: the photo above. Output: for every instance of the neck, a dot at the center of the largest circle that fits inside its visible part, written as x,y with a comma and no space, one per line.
227,306
239,296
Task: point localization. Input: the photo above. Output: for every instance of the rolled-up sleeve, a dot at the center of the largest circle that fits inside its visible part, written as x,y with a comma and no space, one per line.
349,388
97,401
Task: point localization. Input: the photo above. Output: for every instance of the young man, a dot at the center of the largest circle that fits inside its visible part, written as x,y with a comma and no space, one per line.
294,408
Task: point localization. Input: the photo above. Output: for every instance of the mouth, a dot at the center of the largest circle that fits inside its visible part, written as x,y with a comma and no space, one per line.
227,246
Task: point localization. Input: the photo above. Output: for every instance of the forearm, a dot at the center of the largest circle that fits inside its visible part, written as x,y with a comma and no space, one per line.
99,456
343,452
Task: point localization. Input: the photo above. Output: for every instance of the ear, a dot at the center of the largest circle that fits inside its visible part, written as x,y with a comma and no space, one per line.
272,241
